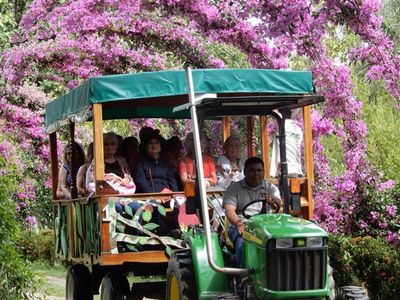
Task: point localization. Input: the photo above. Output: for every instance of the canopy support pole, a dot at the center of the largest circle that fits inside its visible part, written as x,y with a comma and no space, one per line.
308,153
98,148
226,128
251,145
265,144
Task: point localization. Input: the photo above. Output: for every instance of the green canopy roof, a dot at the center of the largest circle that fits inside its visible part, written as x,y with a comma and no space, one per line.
155,94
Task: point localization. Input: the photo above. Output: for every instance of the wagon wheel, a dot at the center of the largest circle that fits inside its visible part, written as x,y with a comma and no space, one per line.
78,284
181,284
114,286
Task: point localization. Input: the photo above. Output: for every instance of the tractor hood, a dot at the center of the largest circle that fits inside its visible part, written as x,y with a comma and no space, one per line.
261,228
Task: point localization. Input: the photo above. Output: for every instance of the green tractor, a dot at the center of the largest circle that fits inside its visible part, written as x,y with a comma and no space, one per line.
285,253
285,257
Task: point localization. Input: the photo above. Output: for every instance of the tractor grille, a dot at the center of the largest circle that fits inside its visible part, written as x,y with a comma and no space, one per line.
294,269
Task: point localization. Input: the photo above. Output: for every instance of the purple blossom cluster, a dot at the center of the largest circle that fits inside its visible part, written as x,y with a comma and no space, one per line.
65,42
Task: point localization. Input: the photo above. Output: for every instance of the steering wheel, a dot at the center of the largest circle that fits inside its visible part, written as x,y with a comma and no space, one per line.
263,208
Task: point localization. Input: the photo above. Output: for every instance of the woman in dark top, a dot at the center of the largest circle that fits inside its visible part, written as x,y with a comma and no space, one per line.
154,174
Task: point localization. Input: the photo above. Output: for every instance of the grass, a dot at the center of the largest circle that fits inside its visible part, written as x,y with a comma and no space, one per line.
51,279
46,269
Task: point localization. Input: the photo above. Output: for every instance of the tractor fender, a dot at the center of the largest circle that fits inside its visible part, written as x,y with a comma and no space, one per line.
208,282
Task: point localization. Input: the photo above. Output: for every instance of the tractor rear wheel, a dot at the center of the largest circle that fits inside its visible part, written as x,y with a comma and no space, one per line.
181,284
114,286
351,293
78,285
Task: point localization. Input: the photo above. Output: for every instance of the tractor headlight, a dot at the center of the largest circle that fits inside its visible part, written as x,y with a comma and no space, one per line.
284,243
315,241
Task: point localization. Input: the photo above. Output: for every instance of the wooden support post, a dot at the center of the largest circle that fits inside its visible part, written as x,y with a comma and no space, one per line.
251,146
98,148
226,128
98,156
264,144
308,153
54,163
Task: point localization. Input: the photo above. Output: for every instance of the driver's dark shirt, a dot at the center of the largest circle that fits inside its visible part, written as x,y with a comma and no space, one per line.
239,194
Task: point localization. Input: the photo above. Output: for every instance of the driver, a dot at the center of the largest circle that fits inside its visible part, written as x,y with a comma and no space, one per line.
239,194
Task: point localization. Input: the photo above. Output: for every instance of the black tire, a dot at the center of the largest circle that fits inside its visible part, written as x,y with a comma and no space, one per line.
181,284
78,285
351,293
114,286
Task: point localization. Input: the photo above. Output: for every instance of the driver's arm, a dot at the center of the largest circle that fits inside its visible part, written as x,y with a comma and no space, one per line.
230,212
273,195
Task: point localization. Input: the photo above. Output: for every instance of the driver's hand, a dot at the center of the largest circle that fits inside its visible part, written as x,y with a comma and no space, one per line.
270,200
241,226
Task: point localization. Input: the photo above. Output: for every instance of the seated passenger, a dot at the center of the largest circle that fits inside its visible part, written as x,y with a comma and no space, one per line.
65,179
186,165
230,165
81,176
153,174
143,135
116,169
59,193
173,154
130,151
240,193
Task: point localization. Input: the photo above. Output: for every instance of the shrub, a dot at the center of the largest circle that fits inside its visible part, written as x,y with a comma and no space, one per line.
37,246
16,280
369,260
340,256
378,265
377,215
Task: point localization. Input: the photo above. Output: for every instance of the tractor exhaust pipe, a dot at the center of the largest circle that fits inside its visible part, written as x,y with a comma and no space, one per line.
200,173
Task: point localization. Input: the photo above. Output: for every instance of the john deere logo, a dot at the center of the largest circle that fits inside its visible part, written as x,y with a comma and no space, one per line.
300,242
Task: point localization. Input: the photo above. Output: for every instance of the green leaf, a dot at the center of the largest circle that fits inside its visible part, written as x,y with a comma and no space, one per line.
168,250
120,227
146,215
128,210
161,210
143,240
150,226
131,247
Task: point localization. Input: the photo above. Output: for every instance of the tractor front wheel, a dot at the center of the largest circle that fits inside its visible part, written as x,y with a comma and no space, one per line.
181,284
351,293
